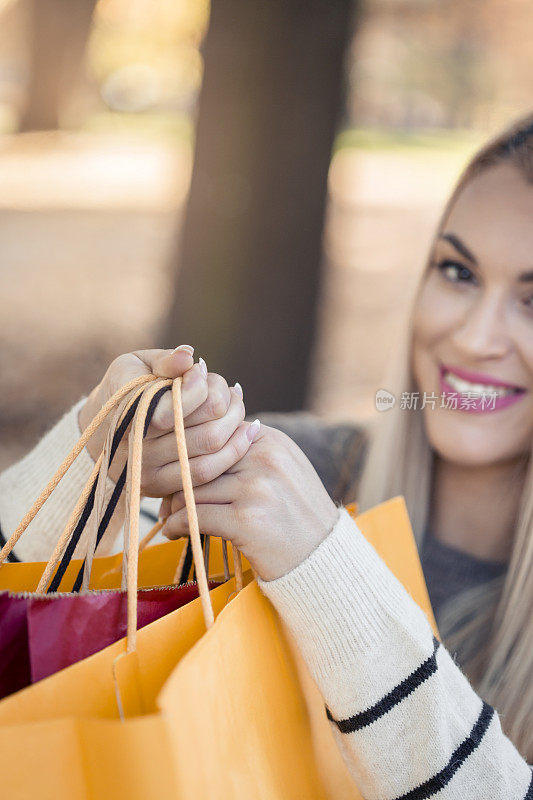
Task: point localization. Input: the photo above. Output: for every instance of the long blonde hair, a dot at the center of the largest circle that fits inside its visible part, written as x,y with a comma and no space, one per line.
492,625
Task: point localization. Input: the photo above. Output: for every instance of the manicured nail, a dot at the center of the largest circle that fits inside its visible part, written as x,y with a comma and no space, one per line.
185,347
203,367
238,389
253,430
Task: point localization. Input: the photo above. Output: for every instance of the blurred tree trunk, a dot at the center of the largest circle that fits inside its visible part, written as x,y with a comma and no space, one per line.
248,266
59,30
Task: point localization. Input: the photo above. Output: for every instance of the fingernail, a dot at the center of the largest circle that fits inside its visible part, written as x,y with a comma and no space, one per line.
203,367
185,347
238,389
253,430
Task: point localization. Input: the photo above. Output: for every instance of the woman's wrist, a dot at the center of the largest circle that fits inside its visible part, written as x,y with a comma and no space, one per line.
282,560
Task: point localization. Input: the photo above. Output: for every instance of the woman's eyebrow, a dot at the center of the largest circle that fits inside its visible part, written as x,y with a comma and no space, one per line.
459,246
524,277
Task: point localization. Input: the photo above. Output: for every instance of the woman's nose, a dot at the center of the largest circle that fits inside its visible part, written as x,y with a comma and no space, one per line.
483,332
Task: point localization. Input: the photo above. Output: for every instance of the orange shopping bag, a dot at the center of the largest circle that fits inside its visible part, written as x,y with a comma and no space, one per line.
257,725
94,729
181,712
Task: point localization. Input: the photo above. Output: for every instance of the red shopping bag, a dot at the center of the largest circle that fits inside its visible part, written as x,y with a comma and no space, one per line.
40,635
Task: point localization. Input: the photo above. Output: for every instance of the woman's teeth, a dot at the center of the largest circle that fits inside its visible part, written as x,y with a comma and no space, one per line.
462,386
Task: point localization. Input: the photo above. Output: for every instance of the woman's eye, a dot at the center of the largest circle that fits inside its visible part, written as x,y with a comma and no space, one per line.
454,271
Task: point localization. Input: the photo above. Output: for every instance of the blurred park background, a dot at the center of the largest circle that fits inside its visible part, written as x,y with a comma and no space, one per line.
258,179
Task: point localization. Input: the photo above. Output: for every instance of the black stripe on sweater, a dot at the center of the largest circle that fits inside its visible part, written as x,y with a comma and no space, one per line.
529,793
458,757
395,696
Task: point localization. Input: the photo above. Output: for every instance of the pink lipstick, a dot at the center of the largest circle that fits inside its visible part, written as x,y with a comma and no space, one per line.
477,393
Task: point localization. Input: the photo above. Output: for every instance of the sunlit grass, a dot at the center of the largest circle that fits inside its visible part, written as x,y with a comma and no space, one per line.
461,141
161,126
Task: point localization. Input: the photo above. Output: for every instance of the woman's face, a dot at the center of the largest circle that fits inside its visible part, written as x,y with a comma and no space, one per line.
473,324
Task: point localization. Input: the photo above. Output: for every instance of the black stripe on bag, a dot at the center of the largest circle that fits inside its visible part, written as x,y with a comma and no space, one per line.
106,518
3,541
67,556
117,491
117,438
187,564
84,516
392,698
458,757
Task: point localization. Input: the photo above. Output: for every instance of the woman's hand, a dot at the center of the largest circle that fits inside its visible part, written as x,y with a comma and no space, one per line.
271,504
213,414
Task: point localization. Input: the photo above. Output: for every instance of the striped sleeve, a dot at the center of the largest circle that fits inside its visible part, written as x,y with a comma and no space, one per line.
406,719
22,483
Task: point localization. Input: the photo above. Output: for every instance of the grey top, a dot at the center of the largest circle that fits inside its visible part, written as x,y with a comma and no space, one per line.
337,453
449,570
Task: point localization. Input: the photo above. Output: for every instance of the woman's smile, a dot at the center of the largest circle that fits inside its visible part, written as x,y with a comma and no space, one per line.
478,393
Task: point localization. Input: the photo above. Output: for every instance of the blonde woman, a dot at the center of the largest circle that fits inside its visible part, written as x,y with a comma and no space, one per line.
408,721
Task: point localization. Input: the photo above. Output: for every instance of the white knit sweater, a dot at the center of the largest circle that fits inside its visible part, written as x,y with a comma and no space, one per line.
407,721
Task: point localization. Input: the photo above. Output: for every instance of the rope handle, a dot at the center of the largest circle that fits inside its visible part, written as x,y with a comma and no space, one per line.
183,458
190,505
120,411
113,501
132,529
87,434
134,469
94,522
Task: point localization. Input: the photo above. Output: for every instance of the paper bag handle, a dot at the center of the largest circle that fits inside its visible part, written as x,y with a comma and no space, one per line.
134,466
72,528
87,434
133,489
